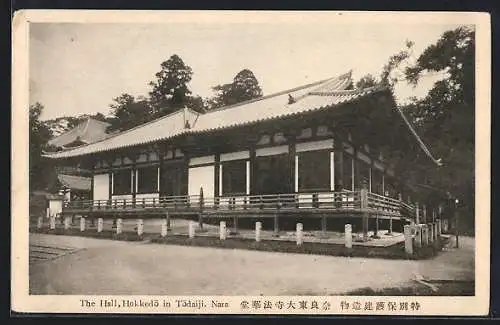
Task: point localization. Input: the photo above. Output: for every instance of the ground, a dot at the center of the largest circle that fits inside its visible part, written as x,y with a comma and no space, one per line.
88,266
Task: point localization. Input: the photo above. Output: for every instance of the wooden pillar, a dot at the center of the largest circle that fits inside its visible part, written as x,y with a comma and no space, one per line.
276,225
92,173
161,155
217,176
364,206
252,176
376,226
291,164
390,225
355,176
134,179
235,225
110,184
340,159
417,213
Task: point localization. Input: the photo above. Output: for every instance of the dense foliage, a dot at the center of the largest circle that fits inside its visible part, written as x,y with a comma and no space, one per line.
245,86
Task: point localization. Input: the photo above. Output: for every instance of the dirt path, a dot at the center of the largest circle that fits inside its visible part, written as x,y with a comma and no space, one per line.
112,267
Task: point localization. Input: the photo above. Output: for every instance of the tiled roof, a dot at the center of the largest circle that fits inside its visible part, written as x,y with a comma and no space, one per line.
263,108
88,131
324,94
162,128
74,182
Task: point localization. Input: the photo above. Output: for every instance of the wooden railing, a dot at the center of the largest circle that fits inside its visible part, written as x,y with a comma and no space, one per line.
356,201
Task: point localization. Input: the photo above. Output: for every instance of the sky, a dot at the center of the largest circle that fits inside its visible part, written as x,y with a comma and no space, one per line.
78,68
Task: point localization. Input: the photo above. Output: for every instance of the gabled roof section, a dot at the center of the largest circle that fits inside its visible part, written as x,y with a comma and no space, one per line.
162,128
86,132
323,94
73,182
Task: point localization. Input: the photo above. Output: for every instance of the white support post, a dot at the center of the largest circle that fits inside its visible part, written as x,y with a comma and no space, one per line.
140,227
436,233
191,229
418,236
408,239
47,213
299,234
164,228
67,221
348,236
39,224
119,225
258,228
100,224
425,235
222,230
82,223
52,222
440,226
431,232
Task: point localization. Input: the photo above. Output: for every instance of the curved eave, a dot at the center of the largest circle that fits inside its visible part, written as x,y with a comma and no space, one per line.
357,95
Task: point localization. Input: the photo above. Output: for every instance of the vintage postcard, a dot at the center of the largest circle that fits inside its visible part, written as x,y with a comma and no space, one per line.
251,162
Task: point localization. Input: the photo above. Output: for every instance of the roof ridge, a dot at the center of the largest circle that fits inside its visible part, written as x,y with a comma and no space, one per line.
346,91
120,133
282,92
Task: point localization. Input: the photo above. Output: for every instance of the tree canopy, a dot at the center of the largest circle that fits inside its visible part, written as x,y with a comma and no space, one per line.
129,112
244,86
445,117
170,90
39,134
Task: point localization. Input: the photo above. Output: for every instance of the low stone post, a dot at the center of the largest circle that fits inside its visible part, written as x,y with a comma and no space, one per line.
140,227
348,236
191,229
164,227
100,224
299,234
39,224
408,239
418,236
82,223
431,232
258,228
52,222
222,230
168,221
119,224
425,236
67,222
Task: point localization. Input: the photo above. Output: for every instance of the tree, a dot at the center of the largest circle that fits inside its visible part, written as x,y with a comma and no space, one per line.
39,134
129,112
245,86
170,89
445,117
366,81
